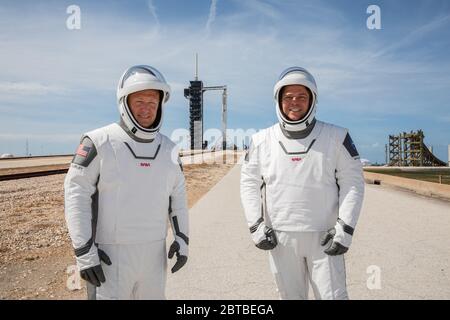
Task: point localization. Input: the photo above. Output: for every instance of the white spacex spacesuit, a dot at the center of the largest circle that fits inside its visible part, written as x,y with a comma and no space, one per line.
125,182
302,186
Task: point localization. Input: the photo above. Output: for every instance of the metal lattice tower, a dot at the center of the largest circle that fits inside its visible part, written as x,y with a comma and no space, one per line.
409,150
395,158
195,95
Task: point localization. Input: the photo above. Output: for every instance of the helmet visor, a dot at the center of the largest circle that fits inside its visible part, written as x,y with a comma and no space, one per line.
305,72
141,69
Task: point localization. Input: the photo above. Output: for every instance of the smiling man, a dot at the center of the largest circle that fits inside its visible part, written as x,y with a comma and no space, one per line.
125,182
295,101
302,190
144,106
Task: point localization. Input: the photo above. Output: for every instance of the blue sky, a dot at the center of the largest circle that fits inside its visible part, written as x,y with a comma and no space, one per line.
57,83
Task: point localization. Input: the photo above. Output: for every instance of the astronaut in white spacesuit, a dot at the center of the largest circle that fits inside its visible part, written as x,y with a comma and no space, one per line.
302,190
124,183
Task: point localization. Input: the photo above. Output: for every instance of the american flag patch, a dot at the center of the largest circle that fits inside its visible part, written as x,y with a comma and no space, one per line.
83,150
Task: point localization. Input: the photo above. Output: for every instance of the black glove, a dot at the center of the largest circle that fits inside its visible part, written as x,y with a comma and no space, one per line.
334,248
270,241
95,275
181,259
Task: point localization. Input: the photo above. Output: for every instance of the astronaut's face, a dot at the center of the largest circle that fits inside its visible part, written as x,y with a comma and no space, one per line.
295,101
144,106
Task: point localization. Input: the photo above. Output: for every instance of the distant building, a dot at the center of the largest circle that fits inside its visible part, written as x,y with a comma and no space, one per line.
6,155
366,162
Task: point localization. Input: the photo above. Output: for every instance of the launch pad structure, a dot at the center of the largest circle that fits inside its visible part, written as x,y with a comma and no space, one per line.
195,95
409,150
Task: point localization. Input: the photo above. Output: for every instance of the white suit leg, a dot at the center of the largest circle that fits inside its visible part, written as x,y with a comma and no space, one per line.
154,272
327,273
289,268
120,275
138,271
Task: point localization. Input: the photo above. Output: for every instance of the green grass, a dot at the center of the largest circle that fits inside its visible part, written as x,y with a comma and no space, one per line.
424,176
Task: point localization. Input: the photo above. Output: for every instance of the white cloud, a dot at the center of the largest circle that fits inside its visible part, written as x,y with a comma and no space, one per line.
414,35
35,136
212,16
370,145
152,9
262,8
29,89
248,59
245,53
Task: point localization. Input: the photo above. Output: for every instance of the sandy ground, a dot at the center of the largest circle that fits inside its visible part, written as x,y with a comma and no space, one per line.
36,256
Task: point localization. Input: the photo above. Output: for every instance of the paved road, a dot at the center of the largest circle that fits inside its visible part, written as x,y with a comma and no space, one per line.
401,249
218,157
223,262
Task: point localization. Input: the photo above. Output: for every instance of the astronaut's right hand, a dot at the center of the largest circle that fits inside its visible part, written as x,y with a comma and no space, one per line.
90,266
264,237
181,252
93,275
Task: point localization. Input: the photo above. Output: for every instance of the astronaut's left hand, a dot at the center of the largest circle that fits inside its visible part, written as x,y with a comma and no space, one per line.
334,248
338,238
181,255
264,237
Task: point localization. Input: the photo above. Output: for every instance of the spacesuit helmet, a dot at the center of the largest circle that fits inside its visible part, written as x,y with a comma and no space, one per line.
139,78
296,76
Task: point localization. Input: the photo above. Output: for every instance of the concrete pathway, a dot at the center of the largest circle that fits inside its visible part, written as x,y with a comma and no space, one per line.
401,249
223,262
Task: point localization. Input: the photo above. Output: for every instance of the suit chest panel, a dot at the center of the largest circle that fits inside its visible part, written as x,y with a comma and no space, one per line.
297,162
139,167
